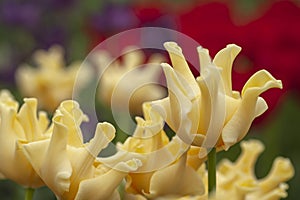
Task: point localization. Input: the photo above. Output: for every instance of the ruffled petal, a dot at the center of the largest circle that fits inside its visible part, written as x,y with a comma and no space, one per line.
184,106
176,179
72,118
204,58
103,186
56,170
180,65
224,59
240,123
213,102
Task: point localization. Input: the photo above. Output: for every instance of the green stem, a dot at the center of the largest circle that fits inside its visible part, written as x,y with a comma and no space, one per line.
211,165
29,193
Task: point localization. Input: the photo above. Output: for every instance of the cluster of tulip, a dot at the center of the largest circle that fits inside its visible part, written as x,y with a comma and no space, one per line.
205,113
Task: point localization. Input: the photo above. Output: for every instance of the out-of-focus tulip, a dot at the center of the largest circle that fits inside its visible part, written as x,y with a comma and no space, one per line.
130,82
238,181
52,82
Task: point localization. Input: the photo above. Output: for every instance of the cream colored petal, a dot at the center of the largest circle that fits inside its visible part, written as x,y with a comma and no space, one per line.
134,197
7,98
150,126
27,117
282,170
224,59
261,106
204,58
277,194
240,123
180,65
103,186
260,82
51,59
251,149
162,106
105,132
184,104
176,179
72,118
35,152
244,187
56,169
213,95
82,159
150,161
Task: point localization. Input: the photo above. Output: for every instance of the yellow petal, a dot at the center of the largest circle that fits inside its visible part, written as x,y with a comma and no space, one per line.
103,186
105,132
176,179
260,82
251,149
204,58
224,59
240,123
180,65
184,103
72,118
28,120
213,95
7,98
162,107
282,170
261,107
56,169
150,161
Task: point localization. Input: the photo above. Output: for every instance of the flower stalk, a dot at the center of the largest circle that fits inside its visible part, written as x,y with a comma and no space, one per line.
212,180
29,193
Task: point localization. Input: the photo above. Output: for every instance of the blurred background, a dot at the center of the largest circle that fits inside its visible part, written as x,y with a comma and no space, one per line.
268,32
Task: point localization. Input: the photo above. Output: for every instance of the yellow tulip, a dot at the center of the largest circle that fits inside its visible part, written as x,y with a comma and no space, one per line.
70,167
206,111
238,181
175,178
16,128
51,82
129,82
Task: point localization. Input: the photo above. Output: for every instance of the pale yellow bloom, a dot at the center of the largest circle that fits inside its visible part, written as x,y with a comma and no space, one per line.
206,112
238,181
129,82
51,82
175,178
68,166
18,127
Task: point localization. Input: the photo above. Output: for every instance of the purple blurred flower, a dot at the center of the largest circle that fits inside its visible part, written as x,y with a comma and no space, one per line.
58,4
20,14
114,18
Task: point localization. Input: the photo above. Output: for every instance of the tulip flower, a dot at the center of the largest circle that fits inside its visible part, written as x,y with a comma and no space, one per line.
51,82
68,166
175,178
129,83
19,127
206,111
237,179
